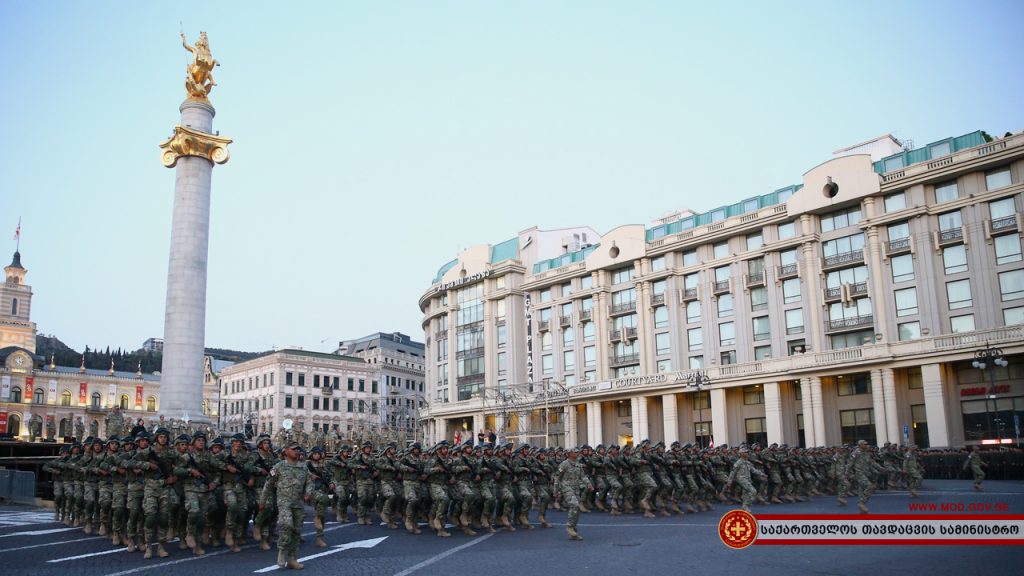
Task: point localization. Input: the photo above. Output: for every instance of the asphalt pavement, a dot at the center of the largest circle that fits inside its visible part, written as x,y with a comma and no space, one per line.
32,544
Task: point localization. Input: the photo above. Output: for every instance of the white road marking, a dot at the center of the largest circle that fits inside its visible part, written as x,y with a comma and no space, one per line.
114,551
26,518
334,550
37,532
443,555
49,544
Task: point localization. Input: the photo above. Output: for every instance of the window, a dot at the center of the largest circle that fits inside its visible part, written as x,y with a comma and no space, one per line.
722,274
349,405
301,402
545,295
762,329
288,400
856,309
1013,316
702,400
997,178
697,362
588,331
797,347
787,258
622,275
894,202
569,335
693,311
906,302
661,317
589,356
915,381
856,275
909,330
840,219
690,258
959,294
954,259
351,384
753,395
902,268
898,231
857,425
945,192
759,298
791,290
302,379
569,360
65,398
795,321
500,308
658,264
940,149
662,344
762,352
624,298
894,163
787,230
843,245
725,305
1002,208
728,357
316,404
502,335
1007,248
721,250
287,378
547,364
853,384
963,323
756,431
727,334
502,368
546,341
755,241
664,365
623,409
694,339
586,282
950,221
852,339
690,281
14,307
658,287
566,289
718,214
95,397
1011,285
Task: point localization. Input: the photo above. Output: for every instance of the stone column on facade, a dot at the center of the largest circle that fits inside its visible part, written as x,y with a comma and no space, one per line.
638,411
878,281
818,404
453,343
773,412
719,425
808,411
670,414
599,316
935,405
892,414
809,274
571,437
594,433
185,312
645,335
478,425
879,406
499,424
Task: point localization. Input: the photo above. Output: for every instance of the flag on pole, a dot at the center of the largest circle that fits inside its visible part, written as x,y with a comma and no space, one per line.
17,231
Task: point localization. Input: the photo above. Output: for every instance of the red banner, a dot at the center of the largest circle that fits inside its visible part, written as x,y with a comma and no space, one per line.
3,422
138,396
29,384
82,393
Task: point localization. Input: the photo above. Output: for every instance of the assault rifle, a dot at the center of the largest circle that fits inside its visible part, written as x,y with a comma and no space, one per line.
242,475
201,479
161,468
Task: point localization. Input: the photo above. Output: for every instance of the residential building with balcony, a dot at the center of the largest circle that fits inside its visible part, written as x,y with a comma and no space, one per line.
847,306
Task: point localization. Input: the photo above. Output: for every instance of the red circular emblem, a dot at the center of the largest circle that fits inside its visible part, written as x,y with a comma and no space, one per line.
737,529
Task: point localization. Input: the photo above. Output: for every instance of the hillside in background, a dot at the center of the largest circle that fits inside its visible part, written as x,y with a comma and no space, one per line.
49,346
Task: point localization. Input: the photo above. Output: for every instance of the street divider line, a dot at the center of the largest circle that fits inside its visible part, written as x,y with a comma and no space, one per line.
443,555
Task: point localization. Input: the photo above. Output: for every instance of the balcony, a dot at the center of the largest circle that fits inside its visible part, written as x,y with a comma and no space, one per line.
755,279
687,294
623,308
833,294
853,323
441,335
614,335
787,271
327,391
897,246
470,353
543,325
585,315
629,333
657,299
844,259
951,236
623,359
470,379
1004,224
858,289
721,287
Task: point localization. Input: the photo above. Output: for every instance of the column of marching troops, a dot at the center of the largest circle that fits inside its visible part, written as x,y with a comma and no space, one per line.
143,491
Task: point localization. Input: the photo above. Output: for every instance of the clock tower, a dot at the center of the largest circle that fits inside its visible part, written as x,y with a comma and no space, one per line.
15,306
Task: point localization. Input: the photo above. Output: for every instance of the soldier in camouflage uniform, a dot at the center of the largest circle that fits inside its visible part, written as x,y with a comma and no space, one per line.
365,472
742,471
197,470
216,510
388,471
119,493
55,469
543,472
520,464
177,516
841,459
625,462
321,492
648,484
613,486
912,469
464,469
136,472
503,480
569,482
264,460
90,487
864,469
411,468
158,465
437,472
290,484
235,468
340,470
105,468
975,463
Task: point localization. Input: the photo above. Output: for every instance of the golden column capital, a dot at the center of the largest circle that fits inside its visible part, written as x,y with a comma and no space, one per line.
189,142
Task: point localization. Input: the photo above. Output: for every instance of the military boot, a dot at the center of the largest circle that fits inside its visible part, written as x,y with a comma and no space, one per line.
282,559
524,520
320,542
467,530
486,523
115,540
628,505
503,520
442,532
182,544
198,550
160,550
229,538
573,535
913,493
761,500
293,562
544,521
88,527
131,545
615,509
264,545
149,551
863,509
411,527
103,529
690,508
646,507
600,506
841,501
675,508
775,500
190,541
170,532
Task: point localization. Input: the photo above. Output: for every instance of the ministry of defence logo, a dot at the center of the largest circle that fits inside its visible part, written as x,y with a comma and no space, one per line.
737,529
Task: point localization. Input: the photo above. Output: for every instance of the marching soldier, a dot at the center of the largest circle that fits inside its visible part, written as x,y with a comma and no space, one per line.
289,485
742,470
197,470
321,492
569,481
975,463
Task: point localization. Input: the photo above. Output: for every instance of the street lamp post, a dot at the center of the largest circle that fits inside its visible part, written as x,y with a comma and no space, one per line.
988,358
700,379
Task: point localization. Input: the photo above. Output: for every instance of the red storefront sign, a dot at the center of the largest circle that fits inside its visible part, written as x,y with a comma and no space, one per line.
982,390
29,384
82,393
3,422
138,396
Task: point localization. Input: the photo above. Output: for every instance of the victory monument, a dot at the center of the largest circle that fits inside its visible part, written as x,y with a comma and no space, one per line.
192,151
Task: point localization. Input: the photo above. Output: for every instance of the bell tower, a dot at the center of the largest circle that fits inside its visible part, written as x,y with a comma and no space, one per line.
15,308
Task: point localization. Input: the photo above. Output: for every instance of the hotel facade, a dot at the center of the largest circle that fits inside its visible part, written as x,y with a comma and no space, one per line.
881,298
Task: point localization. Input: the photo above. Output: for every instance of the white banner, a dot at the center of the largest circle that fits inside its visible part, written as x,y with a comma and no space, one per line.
112,396
51,392
5,388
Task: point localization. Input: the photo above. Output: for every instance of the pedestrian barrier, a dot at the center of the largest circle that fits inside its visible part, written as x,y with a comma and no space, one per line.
23,487
5,484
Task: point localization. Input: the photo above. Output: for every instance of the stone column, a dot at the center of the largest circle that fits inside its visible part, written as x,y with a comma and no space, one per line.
571,438
809,274
641,417
773,412
878,404
478,425
818,405
892,415
935,405
670,410
719,426
185,313
594,432
644,331
878,282
499,425
808,411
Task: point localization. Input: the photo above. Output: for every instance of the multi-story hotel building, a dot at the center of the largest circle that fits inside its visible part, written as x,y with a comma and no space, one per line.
315,390
851,305
398,363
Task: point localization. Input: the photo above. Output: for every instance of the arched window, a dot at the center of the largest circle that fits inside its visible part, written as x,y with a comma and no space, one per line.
39,397
14,425
96,399
124,402
151,405
14,307
65,399
16,394
65,428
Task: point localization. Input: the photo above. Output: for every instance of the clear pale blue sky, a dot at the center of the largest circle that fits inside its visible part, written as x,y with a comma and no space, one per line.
373,140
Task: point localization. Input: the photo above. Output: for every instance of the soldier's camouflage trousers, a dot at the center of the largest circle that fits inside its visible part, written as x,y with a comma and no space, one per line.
572,502
289,522
237,503
90,490
154,510
439,494
390,493
614,487
197,503
648,486
118,507
411,493
136,494
468,495
364,498
58,498
342,499
105,499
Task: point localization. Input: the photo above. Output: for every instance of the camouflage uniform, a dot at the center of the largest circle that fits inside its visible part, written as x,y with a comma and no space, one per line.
158,466
437,474
235,468
340,471
197,470
742,470
387,469
55,468
912,470
289,484
975,463
321,492
264,460
864,468
570,481
365,473
410,466
464,470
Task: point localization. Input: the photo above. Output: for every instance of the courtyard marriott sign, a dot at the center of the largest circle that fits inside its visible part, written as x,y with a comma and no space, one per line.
464,280
637,382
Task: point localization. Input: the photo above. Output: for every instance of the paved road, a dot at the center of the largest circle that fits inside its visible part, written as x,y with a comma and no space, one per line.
31,544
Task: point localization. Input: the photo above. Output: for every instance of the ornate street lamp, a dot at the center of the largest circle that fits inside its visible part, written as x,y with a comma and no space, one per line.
700,378
987,359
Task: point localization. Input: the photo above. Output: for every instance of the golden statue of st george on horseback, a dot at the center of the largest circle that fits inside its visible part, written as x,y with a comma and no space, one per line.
199,80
